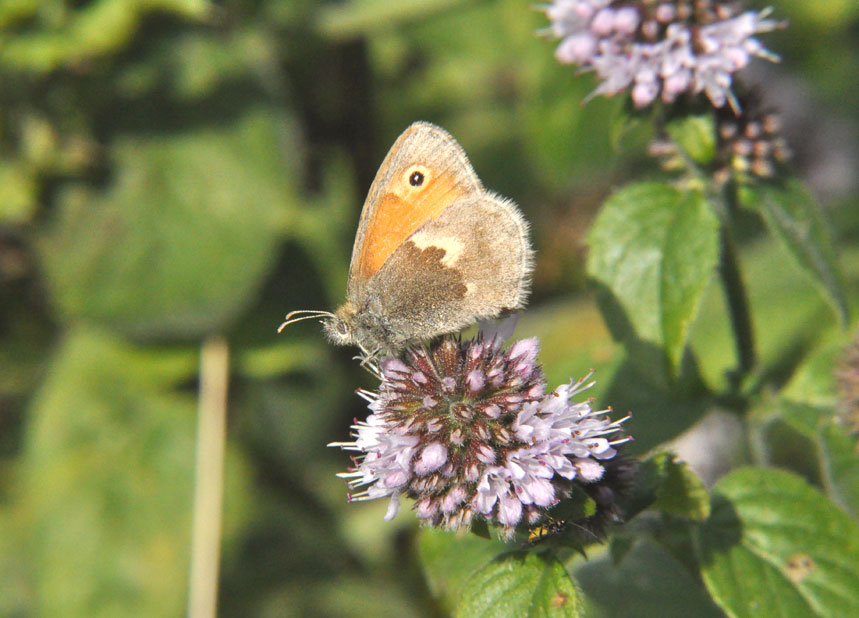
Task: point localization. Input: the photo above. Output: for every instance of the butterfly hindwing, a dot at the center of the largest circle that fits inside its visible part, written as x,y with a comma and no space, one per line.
471,262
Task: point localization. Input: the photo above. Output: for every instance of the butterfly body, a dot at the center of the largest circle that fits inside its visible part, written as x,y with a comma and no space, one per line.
434,251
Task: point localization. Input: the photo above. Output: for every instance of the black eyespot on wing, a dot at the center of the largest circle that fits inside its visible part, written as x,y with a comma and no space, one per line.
416,179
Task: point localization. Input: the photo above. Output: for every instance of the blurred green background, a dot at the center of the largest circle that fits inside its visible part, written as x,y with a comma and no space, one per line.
175,169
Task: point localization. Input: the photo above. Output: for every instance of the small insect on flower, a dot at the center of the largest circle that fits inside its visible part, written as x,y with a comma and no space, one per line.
583,518
660,49
547,529
465,429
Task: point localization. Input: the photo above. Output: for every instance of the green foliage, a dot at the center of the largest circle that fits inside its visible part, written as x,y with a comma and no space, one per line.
65,36
696,136
671,487
653,248
106,479
523,584
834,451
182,209
449,561
648,582
366,17
774,547
796,220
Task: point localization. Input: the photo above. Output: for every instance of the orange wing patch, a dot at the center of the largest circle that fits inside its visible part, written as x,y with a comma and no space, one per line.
401,212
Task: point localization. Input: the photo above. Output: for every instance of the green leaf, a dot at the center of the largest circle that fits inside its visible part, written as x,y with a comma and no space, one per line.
78,34
696,135
840,458
661,408
648,582
782,434
106,484
520,585
797,221
790,316
18,193
814,381
681,492
690,253
450,559
181,241
665,484
835,451
653,249
774,546
362,17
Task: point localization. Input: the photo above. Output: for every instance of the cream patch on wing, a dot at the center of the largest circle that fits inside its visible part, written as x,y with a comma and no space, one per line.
452,247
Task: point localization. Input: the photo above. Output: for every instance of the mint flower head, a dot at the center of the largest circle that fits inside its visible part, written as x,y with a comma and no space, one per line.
465,429
660,48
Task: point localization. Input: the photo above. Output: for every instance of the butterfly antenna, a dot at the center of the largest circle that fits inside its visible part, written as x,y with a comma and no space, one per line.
303,314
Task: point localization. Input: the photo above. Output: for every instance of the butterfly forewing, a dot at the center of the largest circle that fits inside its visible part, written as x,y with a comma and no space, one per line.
424,172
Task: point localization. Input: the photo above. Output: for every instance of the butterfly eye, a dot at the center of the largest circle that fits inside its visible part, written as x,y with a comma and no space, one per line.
341,328
416,179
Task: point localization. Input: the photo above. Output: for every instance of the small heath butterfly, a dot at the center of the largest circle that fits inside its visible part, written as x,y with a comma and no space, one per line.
434,252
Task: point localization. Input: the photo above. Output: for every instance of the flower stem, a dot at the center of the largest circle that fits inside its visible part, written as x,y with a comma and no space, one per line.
209,479
738,305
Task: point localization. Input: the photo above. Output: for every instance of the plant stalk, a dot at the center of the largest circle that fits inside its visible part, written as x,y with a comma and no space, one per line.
738,307
209,479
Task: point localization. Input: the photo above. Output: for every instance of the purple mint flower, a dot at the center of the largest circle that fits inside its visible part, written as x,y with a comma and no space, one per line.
465,429
660,49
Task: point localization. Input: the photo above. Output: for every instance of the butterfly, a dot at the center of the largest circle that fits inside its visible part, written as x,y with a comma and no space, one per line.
434,252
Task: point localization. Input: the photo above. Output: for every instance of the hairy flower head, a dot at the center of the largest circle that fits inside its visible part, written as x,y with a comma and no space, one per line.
466,429
660,49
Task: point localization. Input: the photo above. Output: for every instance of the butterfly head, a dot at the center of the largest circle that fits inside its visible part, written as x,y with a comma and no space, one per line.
362,328
340,326
348,326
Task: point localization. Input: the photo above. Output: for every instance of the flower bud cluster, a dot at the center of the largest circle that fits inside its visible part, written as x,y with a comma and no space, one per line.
751,142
